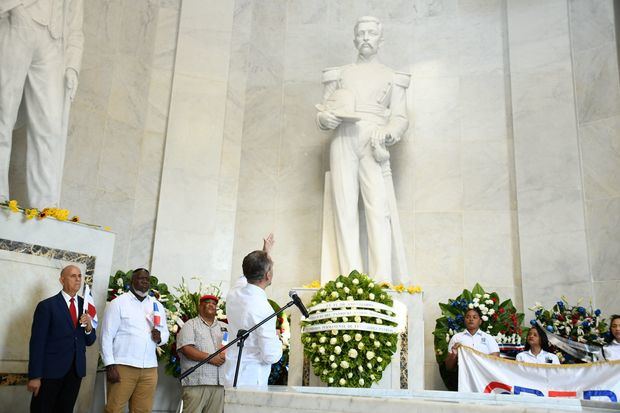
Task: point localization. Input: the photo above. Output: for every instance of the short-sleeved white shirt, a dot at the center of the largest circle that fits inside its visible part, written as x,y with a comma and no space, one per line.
612,351
480,341
544,357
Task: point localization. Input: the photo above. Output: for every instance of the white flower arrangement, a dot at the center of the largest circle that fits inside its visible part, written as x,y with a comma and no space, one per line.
360,356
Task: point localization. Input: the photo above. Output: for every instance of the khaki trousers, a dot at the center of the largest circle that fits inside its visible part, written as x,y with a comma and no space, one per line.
137,386
203,399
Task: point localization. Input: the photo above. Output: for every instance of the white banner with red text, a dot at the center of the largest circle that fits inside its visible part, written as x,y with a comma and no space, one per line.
481,373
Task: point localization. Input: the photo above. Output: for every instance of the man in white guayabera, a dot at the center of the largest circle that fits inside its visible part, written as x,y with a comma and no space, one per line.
365,104
41,44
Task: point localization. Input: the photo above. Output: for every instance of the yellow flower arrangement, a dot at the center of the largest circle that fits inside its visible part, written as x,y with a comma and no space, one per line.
414,289
31,213
313,284
13,206
58,213
401,288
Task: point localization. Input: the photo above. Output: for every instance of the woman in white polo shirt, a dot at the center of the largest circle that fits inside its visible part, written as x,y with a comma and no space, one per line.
612,350
537,348
471,337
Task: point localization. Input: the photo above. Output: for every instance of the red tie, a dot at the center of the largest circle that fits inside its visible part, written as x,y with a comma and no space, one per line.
73,312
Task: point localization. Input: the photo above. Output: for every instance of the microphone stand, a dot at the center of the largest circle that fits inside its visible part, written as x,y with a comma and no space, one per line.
242,335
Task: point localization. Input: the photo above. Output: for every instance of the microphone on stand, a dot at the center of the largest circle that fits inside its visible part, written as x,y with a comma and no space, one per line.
298,303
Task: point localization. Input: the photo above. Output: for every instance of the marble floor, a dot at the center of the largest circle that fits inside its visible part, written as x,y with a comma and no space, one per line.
315,400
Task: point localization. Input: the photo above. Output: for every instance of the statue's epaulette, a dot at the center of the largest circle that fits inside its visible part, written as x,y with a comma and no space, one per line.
331,74
402,79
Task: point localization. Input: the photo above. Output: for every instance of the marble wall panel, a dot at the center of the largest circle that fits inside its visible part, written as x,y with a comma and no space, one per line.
592,23
553,260
597,84
435,108
486,176
305,55
437,173
606,293
84,148
597,90
549,190
489,249
600,151
307,14
432,9
603,218
481,43
538,36
119,171
299,182
435,46
549,210
194,139
128,94
300,114
544,122
439,248
482,100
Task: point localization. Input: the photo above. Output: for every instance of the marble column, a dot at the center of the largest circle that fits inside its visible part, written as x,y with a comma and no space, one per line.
549,187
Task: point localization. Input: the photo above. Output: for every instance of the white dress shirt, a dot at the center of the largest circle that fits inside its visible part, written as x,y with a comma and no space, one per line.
246,306
126,331
480,341
612,350
544,357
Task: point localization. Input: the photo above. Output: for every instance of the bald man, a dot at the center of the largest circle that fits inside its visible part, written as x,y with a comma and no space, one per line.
58,347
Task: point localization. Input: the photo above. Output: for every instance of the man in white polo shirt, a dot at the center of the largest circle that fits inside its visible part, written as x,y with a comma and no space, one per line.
130,335
471,337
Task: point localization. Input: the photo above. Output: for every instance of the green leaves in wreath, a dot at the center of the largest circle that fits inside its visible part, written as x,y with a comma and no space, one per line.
351,357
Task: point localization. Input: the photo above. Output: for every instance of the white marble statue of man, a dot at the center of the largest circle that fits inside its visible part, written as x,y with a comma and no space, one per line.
359,161
41,44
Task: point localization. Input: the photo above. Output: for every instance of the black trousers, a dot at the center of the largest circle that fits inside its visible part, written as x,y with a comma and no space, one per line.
57,395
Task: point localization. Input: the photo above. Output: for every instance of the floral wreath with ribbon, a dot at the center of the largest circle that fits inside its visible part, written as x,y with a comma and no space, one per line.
352,331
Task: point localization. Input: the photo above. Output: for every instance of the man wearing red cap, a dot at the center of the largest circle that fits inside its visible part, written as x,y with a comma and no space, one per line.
199,337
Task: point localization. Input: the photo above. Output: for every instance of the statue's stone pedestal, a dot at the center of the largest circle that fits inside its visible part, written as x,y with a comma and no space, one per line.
32,252
407,368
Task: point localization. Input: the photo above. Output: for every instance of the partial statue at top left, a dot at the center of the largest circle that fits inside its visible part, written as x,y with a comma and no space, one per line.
41,44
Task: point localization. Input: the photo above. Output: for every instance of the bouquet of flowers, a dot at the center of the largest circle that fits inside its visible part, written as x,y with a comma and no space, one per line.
352,332
574,322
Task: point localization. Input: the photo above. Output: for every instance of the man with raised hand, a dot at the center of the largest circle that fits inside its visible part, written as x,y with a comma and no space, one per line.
246,306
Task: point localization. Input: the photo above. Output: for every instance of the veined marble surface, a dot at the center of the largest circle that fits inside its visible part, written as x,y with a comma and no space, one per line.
314,399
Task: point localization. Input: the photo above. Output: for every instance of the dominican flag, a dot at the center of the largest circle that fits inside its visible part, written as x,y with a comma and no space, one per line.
156,315
89,305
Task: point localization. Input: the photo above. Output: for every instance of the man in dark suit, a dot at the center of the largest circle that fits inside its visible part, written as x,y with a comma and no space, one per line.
58,347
